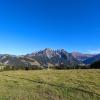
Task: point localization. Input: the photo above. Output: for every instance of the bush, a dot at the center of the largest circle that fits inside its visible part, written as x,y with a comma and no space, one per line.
8,67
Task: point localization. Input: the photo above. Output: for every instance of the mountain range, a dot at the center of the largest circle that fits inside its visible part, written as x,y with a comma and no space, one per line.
49,57
92,59
81,56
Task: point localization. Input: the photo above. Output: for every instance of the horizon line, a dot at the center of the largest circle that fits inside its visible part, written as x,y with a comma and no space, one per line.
92,52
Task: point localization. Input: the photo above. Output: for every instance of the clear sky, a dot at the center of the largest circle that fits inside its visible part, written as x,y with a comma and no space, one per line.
30,25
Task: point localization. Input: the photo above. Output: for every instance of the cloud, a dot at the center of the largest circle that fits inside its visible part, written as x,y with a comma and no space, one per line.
95,51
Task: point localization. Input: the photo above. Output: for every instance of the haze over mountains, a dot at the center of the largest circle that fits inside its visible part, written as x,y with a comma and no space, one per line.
49,57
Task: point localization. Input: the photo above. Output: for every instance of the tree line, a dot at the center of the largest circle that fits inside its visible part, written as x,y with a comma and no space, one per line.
95,65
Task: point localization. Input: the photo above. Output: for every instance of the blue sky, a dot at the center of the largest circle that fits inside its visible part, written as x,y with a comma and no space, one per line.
31,25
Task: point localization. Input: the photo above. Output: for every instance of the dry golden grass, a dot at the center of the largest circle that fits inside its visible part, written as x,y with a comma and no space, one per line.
50,85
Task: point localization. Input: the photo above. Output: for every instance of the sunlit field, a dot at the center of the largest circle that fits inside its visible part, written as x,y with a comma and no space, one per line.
50,85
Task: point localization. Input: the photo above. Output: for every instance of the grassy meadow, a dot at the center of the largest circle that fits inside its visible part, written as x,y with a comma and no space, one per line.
50,85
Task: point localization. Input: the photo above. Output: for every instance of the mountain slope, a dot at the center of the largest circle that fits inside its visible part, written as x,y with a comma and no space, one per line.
92,59
81,56
18,61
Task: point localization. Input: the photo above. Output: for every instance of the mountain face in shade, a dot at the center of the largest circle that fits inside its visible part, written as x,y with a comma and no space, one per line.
92,59
81,57
96,65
